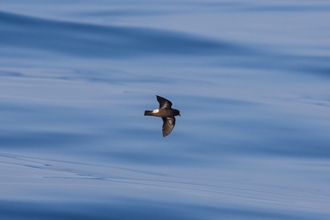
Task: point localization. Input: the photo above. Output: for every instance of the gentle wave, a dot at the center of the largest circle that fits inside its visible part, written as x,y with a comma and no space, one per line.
95,41
103,191
78,39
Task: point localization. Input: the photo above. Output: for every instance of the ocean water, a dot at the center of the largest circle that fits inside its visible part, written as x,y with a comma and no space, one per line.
251,79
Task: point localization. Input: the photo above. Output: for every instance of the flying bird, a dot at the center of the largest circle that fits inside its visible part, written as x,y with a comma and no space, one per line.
166,112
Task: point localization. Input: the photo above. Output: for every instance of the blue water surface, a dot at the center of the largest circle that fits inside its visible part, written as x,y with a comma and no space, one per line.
251,79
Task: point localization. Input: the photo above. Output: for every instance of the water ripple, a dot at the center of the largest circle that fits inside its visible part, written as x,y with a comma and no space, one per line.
89,40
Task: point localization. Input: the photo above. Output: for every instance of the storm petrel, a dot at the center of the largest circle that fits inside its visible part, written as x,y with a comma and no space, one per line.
166,112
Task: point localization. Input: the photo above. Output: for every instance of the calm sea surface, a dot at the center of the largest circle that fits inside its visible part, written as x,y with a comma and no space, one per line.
251,79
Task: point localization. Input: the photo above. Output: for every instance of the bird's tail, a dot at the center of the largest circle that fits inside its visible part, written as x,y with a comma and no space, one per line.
147,112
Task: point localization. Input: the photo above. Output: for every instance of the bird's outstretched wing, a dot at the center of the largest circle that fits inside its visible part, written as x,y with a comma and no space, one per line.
168,125
163,103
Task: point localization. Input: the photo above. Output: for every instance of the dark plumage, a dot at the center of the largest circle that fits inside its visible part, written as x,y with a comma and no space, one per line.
166,112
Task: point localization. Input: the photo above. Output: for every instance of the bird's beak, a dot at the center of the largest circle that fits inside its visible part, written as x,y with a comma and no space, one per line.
179,115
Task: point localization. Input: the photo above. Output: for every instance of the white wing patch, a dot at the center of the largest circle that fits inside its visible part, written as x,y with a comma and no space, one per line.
155,111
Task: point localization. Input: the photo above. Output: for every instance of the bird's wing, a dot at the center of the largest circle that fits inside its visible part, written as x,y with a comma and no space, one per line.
168,125
163,103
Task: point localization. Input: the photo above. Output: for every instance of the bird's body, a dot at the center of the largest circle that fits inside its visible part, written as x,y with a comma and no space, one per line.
166,112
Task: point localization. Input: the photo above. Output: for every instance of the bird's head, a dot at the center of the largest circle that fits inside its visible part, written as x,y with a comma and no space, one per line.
177,112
